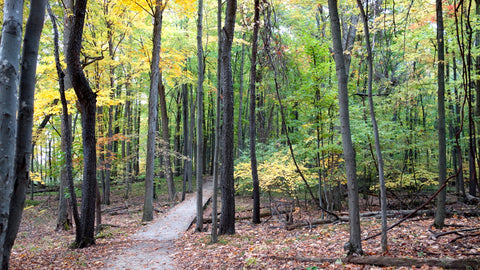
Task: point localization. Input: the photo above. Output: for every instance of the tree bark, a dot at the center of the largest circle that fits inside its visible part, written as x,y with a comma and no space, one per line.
442,156
253,80
10,45
87,101
31,43
63,221
153,111
381,176
227,219
216,150
354,246
199,160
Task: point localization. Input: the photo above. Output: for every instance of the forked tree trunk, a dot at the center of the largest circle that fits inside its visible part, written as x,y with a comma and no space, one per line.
354,245
24,126
87,100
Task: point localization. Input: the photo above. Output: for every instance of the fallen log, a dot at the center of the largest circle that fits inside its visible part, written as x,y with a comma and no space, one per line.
448,263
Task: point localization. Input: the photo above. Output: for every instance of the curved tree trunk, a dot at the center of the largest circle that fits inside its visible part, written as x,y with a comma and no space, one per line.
87,100
381,176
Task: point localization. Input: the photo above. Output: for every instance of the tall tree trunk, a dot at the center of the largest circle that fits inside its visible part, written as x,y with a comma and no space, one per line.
381,176
24,123
87,100
67,171
354,246
442,151
227,219
153,111
63,221
216,147
199,160
10,45
253,80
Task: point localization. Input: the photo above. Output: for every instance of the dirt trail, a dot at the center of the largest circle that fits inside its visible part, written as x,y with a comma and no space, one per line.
153,245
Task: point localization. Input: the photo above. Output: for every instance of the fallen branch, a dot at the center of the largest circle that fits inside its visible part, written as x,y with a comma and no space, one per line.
465,263
457,232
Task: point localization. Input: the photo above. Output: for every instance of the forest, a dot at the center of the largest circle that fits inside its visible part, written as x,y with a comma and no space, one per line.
307,134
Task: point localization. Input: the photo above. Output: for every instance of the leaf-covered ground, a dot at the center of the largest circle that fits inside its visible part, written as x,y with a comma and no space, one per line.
264,246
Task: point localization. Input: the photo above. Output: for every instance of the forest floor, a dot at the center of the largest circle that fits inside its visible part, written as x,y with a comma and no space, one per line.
268,245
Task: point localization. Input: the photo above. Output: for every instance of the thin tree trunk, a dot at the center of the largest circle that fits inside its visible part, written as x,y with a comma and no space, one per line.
185,139
381,176
199,160
253,80
63,221
216,148
240,104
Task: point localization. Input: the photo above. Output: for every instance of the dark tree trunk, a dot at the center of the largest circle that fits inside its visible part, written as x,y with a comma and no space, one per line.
253,80
442,155
31,43
185,139
216,147
227,219
199,160
354,245
87,101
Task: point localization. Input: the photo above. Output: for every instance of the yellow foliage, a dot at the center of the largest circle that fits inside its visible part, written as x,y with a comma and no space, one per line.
276,174
35,177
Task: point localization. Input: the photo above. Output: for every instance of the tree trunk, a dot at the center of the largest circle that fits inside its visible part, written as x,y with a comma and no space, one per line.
10,45
87,101
63,220
199,160
166,139
442,156
24,123
253,80
381,176
185,139
216,147
240,104
152,112
354,245
227,219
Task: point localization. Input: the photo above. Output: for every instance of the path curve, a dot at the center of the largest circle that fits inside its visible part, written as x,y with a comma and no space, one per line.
154,244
